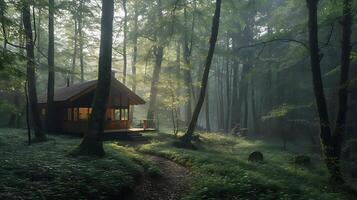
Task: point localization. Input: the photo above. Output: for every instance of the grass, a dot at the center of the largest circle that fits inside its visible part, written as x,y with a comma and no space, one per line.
46,171
222,171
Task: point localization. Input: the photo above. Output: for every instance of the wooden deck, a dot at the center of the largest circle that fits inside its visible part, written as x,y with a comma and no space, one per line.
130,130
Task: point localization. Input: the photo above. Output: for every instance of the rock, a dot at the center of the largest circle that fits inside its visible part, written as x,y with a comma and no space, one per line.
302,160
256,156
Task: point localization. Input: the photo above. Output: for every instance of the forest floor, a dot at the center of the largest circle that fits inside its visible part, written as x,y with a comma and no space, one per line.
48,170
172,183
220,169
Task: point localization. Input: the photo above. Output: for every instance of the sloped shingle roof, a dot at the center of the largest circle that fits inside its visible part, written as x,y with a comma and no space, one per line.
74,91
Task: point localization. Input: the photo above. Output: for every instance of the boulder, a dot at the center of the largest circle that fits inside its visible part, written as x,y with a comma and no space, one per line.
256,156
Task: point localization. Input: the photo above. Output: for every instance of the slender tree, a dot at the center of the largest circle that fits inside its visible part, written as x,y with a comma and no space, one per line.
331,141
31,77
75,44
187,51
92,143
80,38
125,32
51,113
187,137
158,54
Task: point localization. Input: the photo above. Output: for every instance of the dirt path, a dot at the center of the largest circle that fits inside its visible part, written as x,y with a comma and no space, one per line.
173,183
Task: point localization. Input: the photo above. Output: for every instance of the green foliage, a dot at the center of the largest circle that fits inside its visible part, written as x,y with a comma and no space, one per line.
283,111
221,170
47,171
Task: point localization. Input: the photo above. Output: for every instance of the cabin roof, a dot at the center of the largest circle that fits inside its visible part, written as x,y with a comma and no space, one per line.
77,90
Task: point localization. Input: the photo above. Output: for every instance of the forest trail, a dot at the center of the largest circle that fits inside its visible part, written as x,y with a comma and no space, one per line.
173,183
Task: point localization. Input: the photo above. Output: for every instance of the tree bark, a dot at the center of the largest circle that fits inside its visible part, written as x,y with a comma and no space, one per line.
337,137
208,124
92,143
74,57
31,77
135,56
51,112
236,104
228,90
187,51
159,54
331,160
80,38
125,30
187,137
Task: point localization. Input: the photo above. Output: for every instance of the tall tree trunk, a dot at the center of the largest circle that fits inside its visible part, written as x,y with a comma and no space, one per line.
135,56
31,77
3,8
243,95
159,53
51,112
39,35
337,137
228,91
236,104
214,33
125,30
74,57
80,39
92,143
331,160
256,120
208,124
187,51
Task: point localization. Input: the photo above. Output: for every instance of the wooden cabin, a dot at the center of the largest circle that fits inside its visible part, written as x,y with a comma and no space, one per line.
73,107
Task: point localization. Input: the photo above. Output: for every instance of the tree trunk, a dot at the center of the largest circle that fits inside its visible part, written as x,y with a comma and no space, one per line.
80,38
228,90
125,30
187,70
74,57
208,124
31,77
214,33
236,104
256,119
92,143
51,112
332,162
337,137
135,56
39,35
159,53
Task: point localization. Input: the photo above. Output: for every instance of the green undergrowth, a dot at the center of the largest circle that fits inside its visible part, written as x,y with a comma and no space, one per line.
222,171
47,171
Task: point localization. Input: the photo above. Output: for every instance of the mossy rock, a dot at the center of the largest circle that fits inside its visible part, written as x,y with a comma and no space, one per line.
256,156
302,160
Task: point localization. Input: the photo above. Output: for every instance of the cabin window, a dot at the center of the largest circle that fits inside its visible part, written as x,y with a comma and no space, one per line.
117,114
83,113
124,114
